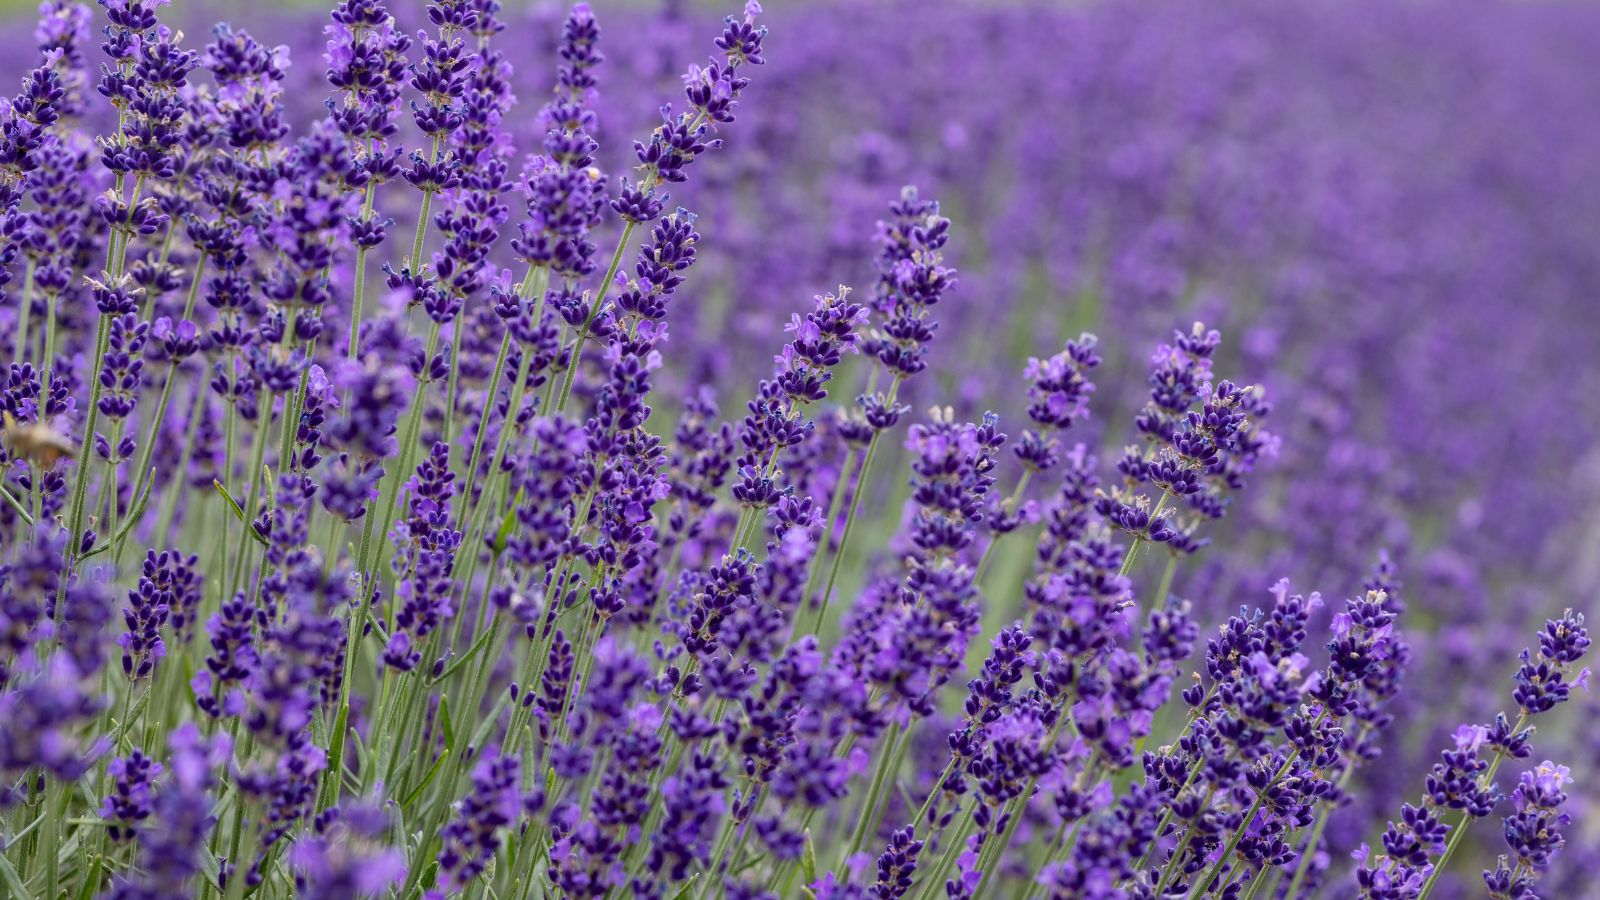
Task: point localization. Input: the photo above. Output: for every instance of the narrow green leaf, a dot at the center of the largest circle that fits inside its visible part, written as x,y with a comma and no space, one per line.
23,832
335,775
445,723
684,891
507,524
808,861
377,627
137,711
209,867
474,650
10,878
266,487
238,512
15,504
96,868
433,772
362,758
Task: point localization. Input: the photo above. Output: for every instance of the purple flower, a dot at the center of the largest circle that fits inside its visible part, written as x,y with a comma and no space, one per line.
128,805
473,836
347,858
169,855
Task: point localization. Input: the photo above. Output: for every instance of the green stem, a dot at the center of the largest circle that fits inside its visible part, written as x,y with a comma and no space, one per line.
359,289
1315,837
938,784
1165,587
263,426
1139,542
594,312
1009,505
1256,883
888,763
401,473
950,852
450,380
840,487
149,447
49,342
57,797
850,517
24,313
81,480
170,508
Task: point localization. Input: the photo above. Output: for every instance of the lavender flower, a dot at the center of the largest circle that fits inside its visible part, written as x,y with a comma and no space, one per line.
474,835
1534,832
129,804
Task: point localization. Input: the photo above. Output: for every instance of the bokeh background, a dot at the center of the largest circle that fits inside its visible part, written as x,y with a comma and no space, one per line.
1390,210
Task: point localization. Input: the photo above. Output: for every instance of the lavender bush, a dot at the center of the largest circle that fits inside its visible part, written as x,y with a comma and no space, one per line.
423,475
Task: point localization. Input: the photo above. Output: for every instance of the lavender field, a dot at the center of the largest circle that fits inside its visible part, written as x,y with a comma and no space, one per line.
1028,450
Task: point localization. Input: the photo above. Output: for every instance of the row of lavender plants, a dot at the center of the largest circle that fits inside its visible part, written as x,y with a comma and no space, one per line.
401,498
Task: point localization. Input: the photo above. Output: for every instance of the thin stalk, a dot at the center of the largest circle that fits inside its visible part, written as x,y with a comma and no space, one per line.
1139,542
524,291
1256,883
25,313
359,289
49,341
170,508
263,426
116,255
471,473
1194,772
397,478
950,852
15,504
450,380
1174,866
646,184
81,480
1049,851
1009,505
594,312
149,448
888,764
840,487
850,517
1165,587
113,476
938,784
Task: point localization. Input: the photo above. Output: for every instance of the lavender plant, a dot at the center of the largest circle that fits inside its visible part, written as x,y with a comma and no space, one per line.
491,599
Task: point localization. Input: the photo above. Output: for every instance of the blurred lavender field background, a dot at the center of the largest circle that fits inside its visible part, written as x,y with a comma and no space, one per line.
1390,210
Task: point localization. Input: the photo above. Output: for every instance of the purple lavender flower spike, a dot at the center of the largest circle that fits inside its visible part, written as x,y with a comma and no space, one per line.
472,838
